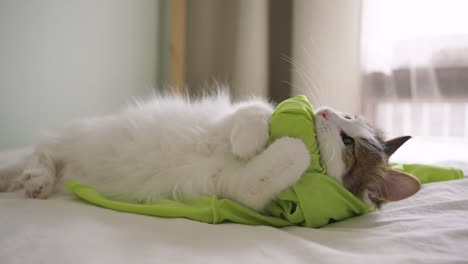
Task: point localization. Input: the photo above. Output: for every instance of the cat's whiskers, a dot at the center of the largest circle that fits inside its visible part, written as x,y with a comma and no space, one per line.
311,86
317,70
332,156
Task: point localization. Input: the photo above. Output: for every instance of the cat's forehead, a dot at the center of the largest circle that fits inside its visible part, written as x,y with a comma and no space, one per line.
358,126
374,134
352,125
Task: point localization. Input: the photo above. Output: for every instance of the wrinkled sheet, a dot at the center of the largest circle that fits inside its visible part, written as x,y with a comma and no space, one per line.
430,227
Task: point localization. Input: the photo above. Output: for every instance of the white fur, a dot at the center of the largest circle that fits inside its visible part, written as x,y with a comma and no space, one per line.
331,146
169,147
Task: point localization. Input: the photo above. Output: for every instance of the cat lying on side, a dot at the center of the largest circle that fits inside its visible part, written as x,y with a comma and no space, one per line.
171,147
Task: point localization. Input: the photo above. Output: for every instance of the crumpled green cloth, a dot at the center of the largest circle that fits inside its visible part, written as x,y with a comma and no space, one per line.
314,201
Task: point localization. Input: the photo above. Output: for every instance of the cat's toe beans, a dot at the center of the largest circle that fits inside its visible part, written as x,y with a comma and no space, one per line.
38,191
38,186
35,193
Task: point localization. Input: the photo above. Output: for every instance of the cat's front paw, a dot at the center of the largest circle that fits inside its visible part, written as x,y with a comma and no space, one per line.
38,183
249,137
294,155
250,130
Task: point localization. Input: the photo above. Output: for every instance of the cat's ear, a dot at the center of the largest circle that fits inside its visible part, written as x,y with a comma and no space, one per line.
392,145
397,186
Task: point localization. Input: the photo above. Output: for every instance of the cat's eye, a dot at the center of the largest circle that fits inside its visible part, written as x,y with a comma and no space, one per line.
347,117
347,140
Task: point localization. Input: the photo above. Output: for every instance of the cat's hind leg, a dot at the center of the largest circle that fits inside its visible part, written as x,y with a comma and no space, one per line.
278,167
8,175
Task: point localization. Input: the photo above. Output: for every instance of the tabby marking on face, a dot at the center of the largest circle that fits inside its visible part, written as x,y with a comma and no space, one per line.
357,156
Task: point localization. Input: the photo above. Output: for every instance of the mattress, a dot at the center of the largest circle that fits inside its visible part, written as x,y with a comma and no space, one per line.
430,227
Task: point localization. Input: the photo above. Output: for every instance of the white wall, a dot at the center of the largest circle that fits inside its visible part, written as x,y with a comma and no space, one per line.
326,50
67,59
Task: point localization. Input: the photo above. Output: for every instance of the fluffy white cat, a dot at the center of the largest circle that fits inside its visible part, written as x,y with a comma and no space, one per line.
172,147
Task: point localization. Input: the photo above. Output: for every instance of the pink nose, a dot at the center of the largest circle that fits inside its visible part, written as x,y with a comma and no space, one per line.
324,113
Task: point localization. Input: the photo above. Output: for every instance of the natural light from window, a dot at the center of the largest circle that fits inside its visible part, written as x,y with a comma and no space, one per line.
414,58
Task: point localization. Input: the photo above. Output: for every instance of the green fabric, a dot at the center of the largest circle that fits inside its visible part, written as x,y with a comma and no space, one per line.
314,201
430,173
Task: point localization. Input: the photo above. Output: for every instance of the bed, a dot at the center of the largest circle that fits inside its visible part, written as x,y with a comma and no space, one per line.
430,227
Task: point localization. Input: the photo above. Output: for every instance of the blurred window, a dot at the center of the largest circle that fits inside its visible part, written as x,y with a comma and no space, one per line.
415,63
415,74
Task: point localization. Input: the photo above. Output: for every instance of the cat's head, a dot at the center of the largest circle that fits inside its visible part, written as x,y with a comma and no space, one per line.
356,155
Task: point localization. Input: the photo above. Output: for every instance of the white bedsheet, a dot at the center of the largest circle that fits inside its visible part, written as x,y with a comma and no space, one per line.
430,227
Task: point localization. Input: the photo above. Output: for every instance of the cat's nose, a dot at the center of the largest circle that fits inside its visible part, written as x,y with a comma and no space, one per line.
324,113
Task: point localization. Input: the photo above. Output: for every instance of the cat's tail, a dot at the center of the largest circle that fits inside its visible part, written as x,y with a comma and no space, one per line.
9,175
